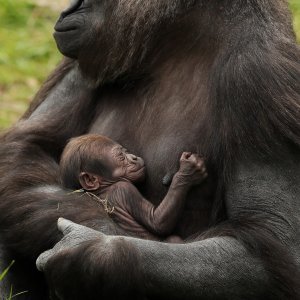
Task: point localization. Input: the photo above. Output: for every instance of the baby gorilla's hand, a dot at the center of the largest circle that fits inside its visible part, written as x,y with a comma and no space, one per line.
192,170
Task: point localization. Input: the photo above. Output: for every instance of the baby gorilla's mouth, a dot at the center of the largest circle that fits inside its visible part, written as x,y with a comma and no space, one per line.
139,163
137,173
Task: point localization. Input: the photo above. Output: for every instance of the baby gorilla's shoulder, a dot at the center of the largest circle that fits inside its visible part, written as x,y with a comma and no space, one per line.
124,189
124,195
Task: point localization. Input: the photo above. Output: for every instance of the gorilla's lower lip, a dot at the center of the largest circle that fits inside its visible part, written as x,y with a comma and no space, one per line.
67,43
64,29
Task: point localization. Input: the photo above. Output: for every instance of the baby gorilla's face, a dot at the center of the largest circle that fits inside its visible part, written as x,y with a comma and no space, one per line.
126,165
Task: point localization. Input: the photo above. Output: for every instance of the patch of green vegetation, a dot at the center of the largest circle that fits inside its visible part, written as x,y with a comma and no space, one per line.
295,7
28,53
2,275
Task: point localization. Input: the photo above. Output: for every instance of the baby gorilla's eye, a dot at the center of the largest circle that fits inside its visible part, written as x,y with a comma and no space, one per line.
121,156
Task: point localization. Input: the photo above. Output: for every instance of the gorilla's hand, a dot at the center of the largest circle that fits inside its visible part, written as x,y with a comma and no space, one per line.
87,264
74,236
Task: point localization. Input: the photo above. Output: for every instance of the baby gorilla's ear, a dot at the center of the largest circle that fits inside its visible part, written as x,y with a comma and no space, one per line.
89,182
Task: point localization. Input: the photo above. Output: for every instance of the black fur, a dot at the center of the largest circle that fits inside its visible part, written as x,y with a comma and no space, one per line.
236,60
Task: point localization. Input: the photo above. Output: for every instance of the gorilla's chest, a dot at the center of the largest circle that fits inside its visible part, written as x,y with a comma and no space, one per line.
158,130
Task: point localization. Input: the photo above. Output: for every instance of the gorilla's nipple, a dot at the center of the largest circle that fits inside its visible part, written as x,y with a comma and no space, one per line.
166,181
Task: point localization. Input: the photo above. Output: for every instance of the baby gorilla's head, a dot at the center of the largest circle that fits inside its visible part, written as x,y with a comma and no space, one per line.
93,162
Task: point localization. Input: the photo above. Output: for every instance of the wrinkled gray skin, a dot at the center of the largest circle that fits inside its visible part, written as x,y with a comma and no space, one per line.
212,269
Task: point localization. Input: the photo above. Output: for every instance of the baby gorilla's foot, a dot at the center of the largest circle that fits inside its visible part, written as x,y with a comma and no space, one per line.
174,239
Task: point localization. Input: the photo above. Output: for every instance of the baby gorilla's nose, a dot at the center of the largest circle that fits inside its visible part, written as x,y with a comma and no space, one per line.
133,157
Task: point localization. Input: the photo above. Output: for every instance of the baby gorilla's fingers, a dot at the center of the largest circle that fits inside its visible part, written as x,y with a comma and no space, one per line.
202,167
185,155
202,170
193,158
200,162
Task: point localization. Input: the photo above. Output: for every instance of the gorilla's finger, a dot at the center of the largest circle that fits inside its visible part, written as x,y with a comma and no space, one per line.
43,259
66,226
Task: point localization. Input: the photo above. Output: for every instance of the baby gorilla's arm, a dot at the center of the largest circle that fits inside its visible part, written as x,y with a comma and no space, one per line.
162,219
159,220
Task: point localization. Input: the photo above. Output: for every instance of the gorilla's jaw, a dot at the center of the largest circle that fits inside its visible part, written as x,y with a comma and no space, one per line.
74,27
112,38
67,42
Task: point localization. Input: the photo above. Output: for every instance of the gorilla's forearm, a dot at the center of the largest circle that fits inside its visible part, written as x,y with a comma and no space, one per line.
28,219
216,268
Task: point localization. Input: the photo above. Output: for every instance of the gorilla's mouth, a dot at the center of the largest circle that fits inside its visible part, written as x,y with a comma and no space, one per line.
65,24
66,37
60,28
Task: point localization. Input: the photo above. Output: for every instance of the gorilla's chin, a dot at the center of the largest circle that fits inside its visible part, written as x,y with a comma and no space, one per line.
68,42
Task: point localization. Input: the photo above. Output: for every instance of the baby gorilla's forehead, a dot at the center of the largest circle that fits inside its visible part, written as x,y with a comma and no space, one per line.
117,153
118,149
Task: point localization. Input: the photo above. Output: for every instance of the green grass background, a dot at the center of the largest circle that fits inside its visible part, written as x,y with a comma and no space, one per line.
28,52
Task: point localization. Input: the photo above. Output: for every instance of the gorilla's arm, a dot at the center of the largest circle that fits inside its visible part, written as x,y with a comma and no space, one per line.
217,268
31,199
237,260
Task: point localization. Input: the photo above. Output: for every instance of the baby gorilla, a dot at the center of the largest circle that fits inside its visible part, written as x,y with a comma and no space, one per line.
100,166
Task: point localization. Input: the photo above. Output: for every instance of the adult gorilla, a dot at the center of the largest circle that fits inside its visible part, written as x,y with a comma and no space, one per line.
161,77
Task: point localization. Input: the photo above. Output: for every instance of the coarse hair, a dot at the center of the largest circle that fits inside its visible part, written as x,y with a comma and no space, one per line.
84,154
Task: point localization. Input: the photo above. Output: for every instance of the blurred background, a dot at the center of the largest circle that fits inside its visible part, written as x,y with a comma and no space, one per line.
28,52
